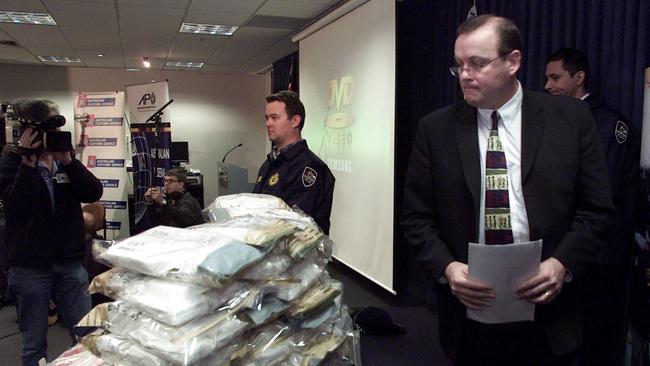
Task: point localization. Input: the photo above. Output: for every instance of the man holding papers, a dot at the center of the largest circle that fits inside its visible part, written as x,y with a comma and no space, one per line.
506,166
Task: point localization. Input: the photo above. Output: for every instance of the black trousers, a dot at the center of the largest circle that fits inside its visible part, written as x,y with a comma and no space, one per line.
606,305
521,343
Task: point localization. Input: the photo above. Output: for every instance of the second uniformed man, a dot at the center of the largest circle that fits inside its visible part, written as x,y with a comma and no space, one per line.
291,171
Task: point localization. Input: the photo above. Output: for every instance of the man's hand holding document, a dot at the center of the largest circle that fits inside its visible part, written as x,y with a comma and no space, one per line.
504,268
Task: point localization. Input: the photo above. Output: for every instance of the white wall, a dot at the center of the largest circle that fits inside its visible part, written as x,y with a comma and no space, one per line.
214,112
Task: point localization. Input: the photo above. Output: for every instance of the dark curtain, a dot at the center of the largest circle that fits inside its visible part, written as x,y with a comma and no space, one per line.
285,74
613,34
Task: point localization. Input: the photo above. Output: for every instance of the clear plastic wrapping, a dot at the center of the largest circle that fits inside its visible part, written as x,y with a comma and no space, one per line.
253,230
280,344
77,356
120,351
298,279
180,345
177,254
226,208
171,302
218,267
250,288
114,282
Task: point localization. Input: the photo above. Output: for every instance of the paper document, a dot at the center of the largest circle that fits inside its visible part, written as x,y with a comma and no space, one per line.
504,267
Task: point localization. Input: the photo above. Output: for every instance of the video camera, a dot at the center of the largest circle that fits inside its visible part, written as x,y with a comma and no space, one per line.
35,114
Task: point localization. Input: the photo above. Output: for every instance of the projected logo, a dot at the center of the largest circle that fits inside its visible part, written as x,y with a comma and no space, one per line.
341,95
336,143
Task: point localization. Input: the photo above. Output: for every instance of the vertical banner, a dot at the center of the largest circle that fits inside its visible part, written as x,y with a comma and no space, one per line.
144,100
147,170
150,143
645,132
100,145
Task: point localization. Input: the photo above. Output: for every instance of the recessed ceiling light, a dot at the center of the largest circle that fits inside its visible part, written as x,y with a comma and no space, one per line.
146,63
100,55
26,18
59,59
196,65
220,30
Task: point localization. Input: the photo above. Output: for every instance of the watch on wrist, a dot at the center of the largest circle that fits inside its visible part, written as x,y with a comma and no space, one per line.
164,202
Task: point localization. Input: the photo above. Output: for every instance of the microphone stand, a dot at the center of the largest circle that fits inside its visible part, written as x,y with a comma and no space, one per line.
223,171
226,154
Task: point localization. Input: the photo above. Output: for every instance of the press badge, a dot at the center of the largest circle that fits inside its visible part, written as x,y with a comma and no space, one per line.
62,178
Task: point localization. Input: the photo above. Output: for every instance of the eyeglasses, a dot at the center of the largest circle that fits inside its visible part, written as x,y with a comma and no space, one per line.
475,64
170,181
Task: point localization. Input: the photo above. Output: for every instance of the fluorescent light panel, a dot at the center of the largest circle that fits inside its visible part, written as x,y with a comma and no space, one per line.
196,65
59,59
220,30
17,17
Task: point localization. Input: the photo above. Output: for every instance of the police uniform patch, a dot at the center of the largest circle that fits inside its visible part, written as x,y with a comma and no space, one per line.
275,178
620,132
309,177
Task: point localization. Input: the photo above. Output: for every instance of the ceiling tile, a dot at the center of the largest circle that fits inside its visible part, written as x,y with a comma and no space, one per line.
215,17
52,51
267,21
23,5
253,37
176,4
148,33
266,58
195,47
16,55
239,6
292,9
31,36
93,1
88,26
219,69
4,36
112,59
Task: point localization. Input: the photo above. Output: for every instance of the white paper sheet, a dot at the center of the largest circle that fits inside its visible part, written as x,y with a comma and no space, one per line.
505,267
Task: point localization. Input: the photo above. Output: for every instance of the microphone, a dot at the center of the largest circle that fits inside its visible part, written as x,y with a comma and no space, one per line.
226,154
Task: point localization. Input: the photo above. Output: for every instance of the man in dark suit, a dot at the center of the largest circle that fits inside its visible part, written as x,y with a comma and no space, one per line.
567,73
552,186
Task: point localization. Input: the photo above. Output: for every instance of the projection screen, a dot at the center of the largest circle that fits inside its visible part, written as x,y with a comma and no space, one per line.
347,83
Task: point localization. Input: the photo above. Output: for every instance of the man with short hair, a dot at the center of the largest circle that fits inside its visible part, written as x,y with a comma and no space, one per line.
506,166
174,205
291,171
567,73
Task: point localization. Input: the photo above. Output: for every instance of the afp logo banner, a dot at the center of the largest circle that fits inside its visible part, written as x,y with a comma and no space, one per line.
144,99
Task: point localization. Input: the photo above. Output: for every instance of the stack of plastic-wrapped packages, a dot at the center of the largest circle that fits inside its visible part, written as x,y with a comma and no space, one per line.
248,288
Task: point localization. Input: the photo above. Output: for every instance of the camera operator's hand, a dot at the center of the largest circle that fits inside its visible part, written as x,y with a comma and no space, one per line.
27,142
64,157
154,194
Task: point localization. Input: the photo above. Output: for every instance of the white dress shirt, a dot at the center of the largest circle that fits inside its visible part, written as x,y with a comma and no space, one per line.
510,136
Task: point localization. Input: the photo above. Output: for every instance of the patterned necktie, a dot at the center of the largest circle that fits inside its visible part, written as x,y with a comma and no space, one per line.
498,229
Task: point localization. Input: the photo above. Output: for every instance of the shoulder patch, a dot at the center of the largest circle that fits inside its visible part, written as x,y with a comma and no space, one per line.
275,178
620,132
309,176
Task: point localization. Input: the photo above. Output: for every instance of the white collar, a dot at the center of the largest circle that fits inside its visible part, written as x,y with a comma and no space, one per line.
509,110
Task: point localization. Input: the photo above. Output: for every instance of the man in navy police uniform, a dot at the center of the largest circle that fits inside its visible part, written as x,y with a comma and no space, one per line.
291,171
567,73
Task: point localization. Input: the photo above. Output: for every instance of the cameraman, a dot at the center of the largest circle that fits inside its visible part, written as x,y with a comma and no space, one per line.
174,205
45,230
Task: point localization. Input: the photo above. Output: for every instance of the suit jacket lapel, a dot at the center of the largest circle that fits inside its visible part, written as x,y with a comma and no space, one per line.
467,137
531,132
